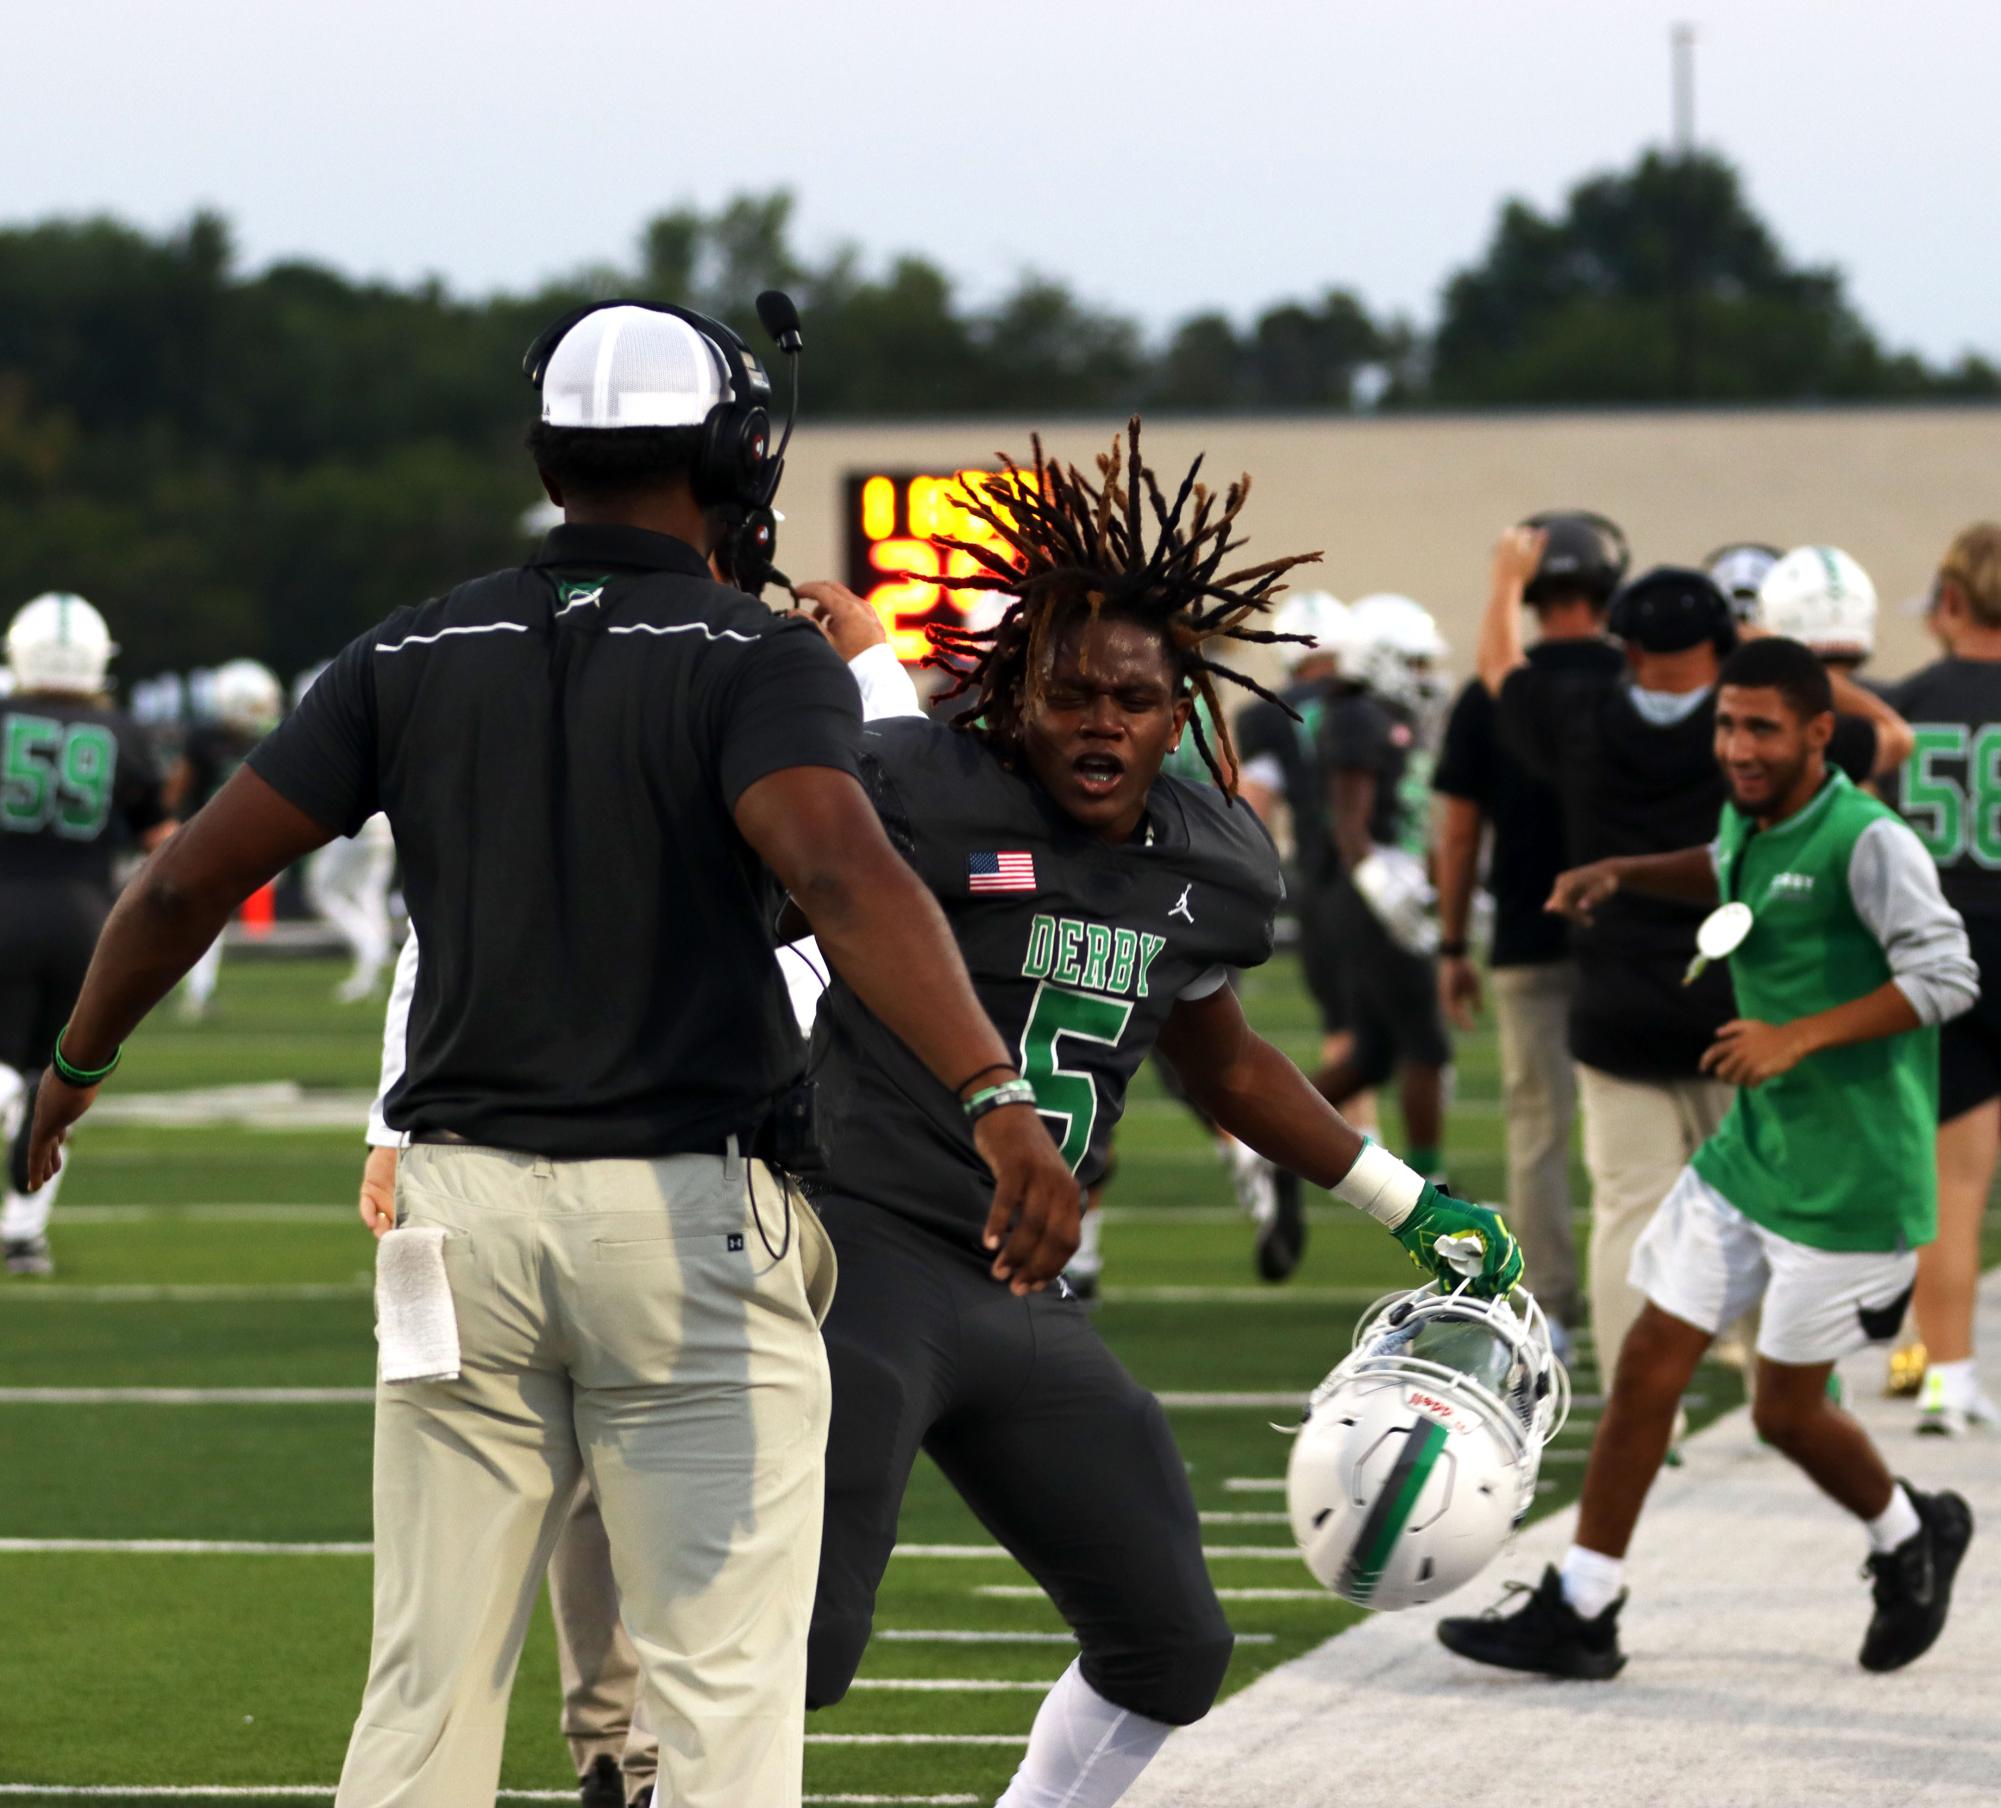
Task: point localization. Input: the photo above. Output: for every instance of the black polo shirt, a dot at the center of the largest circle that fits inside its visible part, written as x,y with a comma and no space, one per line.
1528,820
559,749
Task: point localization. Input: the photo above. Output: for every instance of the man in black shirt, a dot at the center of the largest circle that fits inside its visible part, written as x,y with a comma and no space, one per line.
1631,757
1950,792
1099,905
1566,574
592,765
79,788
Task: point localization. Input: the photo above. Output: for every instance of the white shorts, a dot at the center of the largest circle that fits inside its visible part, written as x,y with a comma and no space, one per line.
1703,1261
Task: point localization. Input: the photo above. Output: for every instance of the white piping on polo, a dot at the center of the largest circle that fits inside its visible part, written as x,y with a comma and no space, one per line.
425,640
693,627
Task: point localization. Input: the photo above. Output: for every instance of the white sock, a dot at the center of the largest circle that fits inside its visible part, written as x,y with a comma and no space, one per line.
1896,1524
1089,1259
13,1103
1590,1580
26,1215
1082,1752
1958,1381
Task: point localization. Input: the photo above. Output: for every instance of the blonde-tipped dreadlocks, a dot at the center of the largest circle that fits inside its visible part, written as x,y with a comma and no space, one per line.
1081,547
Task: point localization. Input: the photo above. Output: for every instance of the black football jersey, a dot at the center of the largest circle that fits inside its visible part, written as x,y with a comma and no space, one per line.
1078,951
1949,790
213,754
78,784
1362,733
1264,729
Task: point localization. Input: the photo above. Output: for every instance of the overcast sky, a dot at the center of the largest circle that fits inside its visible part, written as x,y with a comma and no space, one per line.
1161,156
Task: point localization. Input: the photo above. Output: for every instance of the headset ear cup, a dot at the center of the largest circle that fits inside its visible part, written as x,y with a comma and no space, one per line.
729,465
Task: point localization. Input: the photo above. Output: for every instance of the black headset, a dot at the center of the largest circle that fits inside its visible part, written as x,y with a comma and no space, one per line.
1586,551
733,467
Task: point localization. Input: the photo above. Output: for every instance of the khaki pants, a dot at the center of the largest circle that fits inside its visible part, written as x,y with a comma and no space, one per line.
1638,1136
1539,1097
619,1320
603,1713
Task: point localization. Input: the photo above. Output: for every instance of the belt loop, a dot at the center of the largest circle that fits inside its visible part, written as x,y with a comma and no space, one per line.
732,1162
544,1168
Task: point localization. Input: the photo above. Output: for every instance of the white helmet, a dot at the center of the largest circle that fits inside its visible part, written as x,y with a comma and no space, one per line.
1819,595
1737,570
1392,646
1419,1453
1317,614
247,697
59,642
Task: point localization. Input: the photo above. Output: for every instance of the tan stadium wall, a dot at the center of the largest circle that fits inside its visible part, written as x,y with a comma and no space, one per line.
1414,504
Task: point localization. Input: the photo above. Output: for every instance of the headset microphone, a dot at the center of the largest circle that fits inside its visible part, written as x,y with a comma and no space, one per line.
746,551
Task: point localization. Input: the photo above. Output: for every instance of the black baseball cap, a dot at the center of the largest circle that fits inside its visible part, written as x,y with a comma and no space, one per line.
1670,609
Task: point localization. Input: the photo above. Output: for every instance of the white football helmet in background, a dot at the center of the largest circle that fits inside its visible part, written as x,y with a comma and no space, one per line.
247,697
1393,646
1317,614
1819,595
1737,570
1419,1453
59,643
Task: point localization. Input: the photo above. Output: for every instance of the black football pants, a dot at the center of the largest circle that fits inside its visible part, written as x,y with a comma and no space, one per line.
1066,1460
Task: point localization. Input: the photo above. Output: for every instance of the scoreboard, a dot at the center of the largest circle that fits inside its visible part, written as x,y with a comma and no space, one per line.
894,522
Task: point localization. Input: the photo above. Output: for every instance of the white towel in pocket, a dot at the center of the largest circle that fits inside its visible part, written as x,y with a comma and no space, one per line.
414,1320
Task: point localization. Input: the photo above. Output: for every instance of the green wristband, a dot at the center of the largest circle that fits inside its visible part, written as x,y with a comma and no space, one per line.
1009,1092
72,1075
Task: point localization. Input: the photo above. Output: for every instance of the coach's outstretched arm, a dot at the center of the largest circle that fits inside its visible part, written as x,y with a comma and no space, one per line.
243,836
1253,1091
884,933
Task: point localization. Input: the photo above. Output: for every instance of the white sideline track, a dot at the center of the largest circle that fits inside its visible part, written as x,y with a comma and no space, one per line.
1741,1689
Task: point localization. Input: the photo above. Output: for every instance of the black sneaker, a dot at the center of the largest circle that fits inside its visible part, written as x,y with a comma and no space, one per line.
28,1255
1282,1236
1913,1583
644,1799
603,1785
1546,1634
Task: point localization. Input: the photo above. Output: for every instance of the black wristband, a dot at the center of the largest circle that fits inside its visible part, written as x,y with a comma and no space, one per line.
994,1098
1452,950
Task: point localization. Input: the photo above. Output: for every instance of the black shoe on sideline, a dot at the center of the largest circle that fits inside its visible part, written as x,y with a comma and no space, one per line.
1545,1634
1913,1583
603,1785
28,1255
644,1799
1282,1237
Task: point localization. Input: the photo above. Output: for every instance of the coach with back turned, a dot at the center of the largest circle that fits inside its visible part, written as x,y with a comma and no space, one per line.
593,765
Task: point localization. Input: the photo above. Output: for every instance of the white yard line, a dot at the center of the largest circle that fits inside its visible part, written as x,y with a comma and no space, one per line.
1241,1296
1289,1401
1245,1518
1017,1591
203,1293
1255,1484
82,1217
187,1396
916,1738
174,1547
949,1685
957,1636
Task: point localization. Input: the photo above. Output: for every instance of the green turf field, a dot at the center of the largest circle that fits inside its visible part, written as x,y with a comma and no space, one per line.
212,1257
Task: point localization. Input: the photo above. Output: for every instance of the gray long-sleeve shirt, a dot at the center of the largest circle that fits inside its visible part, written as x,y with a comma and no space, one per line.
1895,888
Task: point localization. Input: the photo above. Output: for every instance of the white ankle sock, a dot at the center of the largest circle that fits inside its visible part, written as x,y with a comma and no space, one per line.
1590,1580
1958,1381
26,1215
1082,1752
1896,1523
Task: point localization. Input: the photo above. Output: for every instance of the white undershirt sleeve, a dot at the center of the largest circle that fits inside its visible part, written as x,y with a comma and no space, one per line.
886,687
1896,893
395,1037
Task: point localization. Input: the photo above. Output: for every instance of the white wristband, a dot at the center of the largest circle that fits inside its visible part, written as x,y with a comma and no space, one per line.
1379,1184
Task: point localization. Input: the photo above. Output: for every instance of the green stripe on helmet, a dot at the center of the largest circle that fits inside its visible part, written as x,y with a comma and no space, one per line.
1392,1511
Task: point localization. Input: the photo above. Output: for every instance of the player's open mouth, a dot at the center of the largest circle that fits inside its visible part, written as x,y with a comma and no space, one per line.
1098,774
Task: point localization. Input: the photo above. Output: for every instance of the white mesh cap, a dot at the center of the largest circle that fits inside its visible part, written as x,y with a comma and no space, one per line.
632,367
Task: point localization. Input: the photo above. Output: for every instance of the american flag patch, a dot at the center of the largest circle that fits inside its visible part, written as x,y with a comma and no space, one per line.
1000,872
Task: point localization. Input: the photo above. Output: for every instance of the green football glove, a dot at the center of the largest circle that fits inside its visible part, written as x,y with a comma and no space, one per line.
1477,1245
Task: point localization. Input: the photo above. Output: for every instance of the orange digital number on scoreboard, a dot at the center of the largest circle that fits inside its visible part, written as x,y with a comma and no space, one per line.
895,520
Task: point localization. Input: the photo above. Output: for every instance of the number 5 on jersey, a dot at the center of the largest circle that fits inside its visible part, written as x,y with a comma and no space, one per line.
1067,1093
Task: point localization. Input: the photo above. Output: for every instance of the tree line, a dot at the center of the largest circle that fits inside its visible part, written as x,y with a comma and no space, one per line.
265,462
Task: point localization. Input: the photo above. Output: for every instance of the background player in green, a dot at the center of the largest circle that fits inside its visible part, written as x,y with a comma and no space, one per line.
1812,1198
1950,792
77,787
1098,905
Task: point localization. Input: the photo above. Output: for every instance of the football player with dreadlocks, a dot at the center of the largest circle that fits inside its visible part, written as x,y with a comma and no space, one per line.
1098,905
